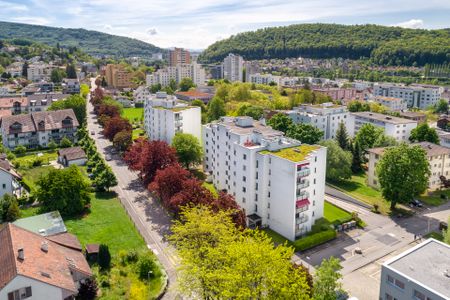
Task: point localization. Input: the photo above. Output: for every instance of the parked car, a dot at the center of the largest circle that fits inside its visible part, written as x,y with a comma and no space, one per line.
108,157
443,226
416,203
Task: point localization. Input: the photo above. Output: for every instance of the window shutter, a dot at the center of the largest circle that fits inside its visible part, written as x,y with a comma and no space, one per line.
28,291
11,296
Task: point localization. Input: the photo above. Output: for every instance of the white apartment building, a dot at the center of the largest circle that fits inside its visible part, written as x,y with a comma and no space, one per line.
421,273
326,117
393,104
177,73
164,116
264,79
38,72
141,94
233,66
438,158
398,128
420,96
278,181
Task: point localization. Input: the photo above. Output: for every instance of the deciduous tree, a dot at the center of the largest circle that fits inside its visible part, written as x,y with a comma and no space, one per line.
367,136
424,133
216,109
192,193
326,280
305,133
188,149
115,125
122,140
168,182
339,161
186,84
280,122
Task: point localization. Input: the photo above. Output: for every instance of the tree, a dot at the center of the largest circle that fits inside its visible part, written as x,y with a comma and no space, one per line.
168,182
424,133
226,202
216,258
52,145
9,208
115,125
280,122
172,85
75,102
356,106
146,266
188,149
25,70
13,212
65,190
105,180
385,141
216,109
326,280
256,112
186,84
403,173
20,149
87,290
57,75
192,193
155,88
305,133
339,161
122,140
71,71
104,257
148,157
357,158
65,143
342,137
367,135
441,106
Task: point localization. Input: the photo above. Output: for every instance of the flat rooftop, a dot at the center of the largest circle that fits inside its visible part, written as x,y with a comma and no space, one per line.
294,154
425,264
430,148
44,224
383,118
233,126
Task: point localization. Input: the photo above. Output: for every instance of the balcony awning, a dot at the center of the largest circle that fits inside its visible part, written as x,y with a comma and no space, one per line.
301,203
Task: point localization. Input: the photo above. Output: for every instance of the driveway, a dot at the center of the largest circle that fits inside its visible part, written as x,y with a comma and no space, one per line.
149,217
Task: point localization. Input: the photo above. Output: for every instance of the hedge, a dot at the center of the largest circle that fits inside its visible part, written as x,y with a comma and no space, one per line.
315,239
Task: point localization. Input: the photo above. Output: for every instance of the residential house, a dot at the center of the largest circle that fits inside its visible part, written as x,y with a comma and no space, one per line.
9,179
443,122
71,86
72,156
278,181
422,273
41,102
437,156
39,128
118,77
16,105
194,95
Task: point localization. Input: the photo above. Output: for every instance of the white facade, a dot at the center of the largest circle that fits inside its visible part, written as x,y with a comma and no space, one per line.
141,94
38,72
393,104
326,117
249,160
39,289
264,79
233,68
164,116
416,96
177,73
420,273
8,183
398,128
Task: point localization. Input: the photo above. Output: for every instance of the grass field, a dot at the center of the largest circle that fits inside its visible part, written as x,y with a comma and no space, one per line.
332,213
27,159
133,114
434,199
30,177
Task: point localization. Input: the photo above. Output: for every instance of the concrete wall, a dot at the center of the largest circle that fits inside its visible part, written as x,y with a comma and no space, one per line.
39,290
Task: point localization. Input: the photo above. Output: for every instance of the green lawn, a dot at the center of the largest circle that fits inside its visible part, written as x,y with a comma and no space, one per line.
25,160
434,199
435,235
133,114
31,176
334,214
358,188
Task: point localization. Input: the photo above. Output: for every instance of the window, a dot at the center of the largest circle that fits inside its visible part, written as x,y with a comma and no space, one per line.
388,297
4,186
257,164
244,179
418,295
245,156
243,199
244,189
19,294
399,284
256,207
390,279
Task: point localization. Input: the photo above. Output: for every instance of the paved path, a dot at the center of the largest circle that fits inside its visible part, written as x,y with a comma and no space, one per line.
149,217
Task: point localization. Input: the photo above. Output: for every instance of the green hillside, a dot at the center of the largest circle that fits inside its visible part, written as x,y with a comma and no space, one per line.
383,45
92,42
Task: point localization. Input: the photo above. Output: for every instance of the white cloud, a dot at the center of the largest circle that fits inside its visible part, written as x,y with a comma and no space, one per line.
413,24
152,31
12,7
32,20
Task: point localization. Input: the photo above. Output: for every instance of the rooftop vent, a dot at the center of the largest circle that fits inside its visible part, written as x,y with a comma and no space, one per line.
20,254
44,247
45,274
447,273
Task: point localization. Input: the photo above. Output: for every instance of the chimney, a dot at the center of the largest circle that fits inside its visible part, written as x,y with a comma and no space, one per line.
44,246
20,254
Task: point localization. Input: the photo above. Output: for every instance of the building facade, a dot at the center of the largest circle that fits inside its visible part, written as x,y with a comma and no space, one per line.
421,273
39,128
391,103
163,76
233,66
415,96
438,158
117,77
278,181
398,128
164,116
179,56
264,79
326,117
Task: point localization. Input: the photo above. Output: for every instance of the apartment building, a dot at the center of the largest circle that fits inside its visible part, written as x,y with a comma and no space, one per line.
326,117
421,273
39,71
177,73
438,158
39,128
278,181
164,116
398,128
71,86
420,96
117,77
233,66
391,103
251,67
342,94
141,93
264,79
179,56
41,102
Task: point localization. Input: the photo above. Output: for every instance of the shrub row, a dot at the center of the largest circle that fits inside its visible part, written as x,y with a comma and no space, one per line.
315,239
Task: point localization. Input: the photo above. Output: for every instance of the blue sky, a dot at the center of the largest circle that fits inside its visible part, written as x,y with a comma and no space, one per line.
195,24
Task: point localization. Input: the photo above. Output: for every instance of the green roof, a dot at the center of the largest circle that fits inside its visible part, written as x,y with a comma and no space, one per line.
295,154
44,224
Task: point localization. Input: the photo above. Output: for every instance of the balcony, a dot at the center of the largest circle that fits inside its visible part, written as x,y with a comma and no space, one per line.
302,195
303,172
301,203
302,219
178,123
302,184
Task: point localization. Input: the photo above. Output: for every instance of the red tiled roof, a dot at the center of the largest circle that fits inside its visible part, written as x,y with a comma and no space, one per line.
8,102
66,239
302,203
52,267
72,153
92,248
194,94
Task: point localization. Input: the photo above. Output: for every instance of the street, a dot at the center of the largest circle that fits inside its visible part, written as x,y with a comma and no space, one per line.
149,217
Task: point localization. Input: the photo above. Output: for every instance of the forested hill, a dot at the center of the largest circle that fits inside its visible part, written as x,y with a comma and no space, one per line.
92,42
383,45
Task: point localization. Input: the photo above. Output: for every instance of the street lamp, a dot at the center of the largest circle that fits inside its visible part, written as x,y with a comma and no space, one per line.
148,275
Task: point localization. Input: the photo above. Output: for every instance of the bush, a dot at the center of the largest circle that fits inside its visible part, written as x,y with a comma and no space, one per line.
10,156
65,143
132,256
146,267
87,290
314,240
38,161
104,257
20,149
52,145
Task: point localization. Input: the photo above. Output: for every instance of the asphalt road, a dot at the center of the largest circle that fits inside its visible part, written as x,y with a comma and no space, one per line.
149,217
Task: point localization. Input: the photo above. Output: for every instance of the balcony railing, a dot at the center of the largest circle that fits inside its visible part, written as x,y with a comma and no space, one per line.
303,173
302,195
302,185
302,219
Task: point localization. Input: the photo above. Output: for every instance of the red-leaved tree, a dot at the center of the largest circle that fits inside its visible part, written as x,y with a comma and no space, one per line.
192,193
107,110
168,182
226,201
149,157
97,96
116,125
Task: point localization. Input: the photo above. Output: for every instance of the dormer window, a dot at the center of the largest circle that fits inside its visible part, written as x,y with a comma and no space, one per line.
67,121
41,125
16,127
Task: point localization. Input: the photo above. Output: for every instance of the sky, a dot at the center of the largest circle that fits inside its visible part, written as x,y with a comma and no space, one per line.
195,24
